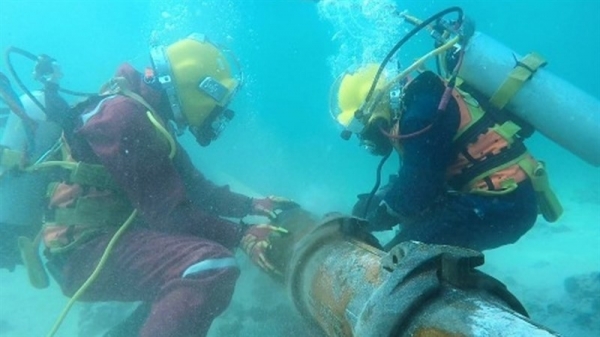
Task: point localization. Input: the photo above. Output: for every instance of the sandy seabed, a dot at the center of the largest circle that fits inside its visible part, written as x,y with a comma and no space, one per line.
537,269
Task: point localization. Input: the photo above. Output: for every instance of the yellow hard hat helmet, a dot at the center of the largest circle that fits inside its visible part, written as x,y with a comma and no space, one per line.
348,96
199,82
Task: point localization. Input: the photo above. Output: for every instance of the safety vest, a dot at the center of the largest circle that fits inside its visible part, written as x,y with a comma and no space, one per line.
489,154
87,202
492,159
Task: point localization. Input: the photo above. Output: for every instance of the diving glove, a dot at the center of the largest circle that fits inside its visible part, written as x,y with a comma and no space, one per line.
271,206
256,242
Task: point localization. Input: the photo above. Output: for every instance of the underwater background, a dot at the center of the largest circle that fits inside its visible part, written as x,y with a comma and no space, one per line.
283,140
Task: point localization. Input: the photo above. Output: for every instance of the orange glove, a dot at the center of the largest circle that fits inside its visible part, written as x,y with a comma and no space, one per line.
271,205
256,242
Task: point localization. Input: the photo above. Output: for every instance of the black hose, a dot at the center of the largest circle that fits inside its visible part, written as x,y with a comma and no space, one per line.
34,58
14,74
76,93
387,58
407,37
29,127
377,183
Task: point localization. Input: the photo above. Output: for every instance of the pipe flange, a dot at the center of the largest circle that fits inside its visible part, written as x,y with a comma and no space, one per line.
419,273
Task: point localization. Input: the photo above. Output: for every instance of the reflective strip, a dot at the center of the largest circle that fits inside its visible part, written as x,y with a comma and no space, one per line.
86,116
211,264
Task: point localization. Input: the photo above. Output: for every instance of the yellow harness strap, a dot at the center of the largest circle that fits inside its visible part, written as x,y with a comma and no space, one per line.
508,130
549,205
93,212
522,72
119,85
507,186
92,175
10,159
33,264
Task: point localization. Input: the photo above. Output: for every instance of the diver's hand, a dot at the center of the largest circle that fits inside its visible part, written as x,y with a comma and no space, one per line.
381,219
271,205
47,70
255,243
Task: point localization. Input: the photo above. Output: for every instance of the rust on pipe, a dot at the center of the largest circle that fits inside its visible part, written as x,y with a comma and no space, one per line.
351,288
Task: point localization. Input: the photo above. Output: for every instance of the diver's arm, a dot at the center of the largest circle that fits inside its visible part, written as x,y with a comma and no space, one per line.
136,155
215,199
421,179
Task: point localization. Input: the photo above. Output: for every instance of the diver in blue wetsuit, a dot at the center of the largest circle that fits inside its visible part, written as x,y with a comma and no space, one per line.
465,177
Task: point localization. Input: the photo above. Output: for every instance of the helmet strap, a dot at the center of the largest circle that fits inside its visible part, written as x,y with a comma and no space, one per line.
162,71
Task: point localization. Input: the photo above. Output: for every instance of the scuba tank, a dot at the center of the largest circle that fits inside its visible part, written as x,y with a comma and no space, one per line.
516,85
46,133
556,108
21,194
30,135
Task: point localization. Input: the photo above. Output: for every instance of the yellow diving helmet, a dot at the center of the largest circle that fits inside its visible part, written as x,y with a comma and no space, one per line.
348,106
197,78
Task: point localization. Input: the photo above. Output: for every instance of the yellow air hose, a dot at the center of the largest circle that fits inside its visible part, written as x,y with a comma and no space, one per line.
416,65
92,278
113,241
163,132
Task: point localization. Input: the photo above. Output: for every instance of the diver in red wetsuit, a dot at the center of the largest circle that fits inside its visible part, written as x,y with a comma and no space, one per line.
176,255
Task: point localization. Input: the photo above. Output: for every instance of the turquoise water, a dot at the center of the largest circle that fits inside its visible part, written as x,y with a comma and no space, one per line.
283,140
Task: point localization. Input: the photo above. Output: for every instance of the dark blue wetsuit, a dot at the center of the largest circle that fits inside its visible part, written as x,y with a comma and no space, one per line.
428,211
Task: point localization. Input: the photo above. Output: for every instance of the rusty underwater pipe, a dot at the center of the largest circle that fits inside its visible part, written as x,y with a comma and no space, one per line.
350,288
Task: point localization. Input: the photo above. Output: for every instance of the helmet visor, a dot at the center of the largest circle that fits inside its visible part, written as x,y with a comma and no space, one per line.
216,122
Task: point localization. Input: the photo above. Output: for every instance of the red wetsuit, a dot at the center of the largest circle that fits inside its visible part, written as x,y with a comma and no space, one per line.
160,259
